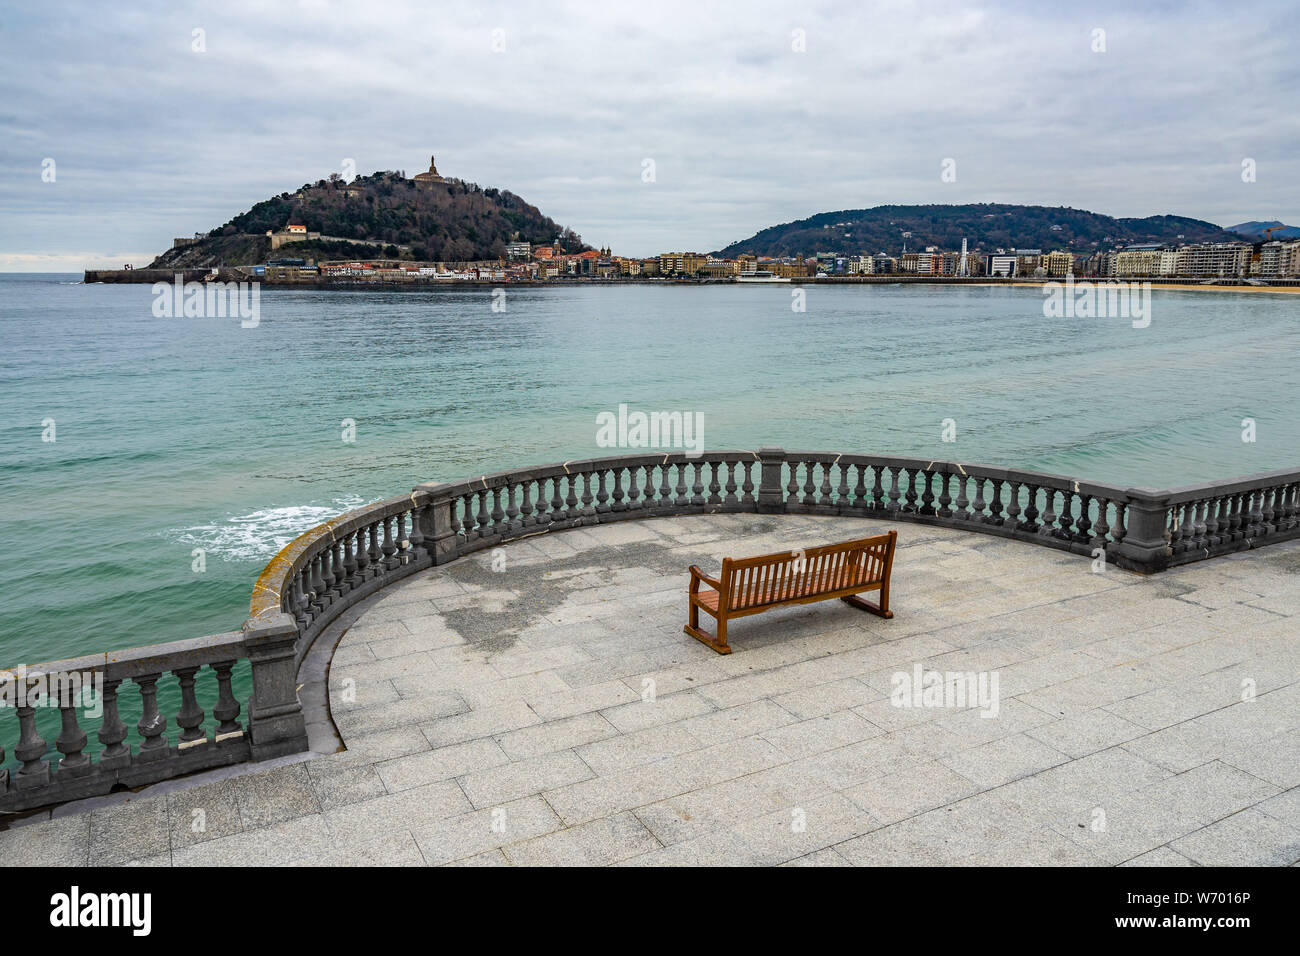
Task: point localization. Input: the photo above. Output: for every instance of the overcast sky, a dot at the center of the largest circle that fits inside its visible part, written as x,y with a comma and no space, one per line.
752,113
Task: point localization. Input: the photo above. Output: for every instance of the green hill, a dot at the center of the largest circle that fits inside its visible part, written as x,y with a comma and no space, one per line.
984,226
383,214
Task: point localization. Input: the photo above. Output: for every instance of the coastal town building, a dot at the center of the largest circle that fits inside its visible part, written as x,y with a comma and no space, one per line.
1279,259
682,263
1214,259
291,233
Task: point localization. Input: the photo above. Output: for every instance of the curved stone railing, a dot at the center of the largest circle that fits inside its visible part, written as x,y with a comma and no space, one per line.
330,568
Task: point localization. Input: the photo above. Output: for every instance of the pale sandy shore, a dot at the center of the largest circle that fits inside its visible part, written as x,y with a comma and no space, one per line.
1155,287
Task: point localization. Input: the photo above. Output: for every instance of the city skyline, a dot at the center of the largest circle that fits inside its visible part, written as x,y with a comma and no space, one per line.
678,130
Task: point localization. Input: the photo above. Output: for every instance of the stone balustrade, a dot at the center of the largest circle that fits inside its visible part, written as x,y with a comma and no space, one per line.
333,566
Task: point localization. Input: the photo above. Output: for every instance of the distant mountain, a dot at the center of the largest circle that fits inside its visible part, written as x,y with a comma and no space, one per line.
1255,230
985,226
381,215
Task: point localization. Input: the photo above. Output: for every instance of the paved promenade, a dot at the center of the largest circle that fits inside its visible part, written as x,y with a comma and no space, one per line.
540,705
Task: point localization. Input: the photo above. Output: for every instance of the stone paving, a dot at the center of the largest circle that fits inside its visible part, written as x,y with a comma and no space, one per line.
539,704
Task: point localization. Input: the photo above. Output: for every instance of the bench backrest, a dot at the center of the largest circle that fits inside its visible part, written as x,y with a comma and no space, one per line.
788,575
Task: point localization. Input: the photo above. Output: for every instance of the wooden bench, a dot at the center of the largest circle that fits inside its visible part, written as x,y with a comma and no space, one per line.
753,585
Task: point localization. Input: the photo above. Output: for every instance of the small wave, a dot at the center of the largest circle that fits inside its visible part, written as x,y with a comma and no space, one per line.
259,534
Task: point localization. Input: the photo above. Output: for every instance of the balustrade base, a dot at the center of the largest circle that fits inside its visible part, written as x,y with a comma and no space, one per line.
100,780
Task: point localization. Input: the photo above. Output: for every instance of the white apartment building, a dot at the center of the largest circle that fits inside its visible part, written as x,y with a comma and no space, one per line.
1214,259
1278,259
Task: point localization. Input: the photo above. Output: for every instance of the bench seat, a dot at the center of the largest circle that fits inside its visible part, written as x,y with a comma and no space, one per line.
753,585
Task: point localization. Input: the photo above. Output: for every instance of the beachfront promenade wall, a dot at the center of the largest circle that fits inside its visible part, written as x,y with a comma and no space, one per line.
332,567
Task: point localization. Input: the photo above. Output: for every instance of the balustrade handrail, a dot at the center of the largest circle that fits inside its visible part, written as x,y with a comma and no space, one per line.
331,567
1231,486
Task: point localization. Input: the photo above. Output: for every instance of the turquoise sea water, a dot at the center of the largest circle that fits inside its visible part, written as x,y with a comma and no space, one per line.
176,434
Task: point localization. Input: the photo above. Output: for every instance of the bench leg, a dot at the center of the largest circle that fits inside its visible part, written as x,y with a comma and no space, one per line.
718,643
861,604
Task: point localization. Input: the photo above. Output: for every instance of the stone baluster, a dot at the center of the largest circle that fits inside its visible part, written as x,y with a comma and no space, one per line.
616,493
825,491
340,572
1013,505
71,741
730,500
1031,509
748,487
1066,520
697,487
963,503
978,505
363,557
1200,525
350,579
1268,498
328,577
1288,507
1234,517
588,499
401,540
665,490
557,511
498,513
792,486
910,495
318,601
810,469
511,513
877,489
635,502
527,518
1256,512
415,538
927,493
298,599
945,499
1083,524
860,490
190,717
715,486
1048,525
1180,527
114,755
35,770
681,500
1223,519
1101,529
388,548
482,518
995,506
893,508
1119,531
571,499
649,490
152,725
227,709
376,552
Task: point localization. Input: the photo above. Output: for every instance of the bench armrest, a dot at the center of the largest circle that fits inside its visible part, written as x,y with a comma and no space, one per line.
697,576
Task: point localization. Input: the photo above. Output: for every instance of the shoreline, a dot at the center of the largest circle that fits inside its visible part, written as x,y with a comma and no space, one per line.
151,276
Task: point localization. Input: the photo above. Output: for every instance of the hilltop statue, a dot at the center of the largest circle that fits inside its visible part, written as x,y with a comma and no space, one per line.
431,178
